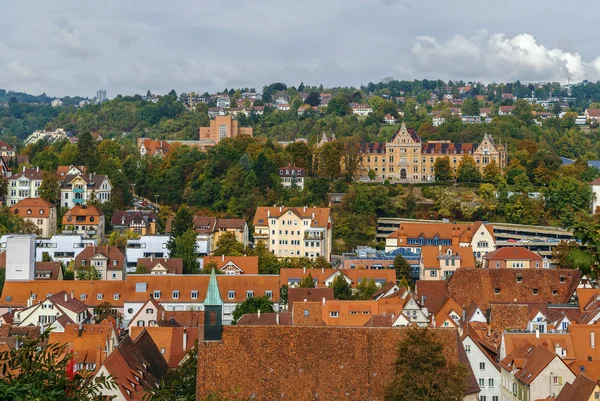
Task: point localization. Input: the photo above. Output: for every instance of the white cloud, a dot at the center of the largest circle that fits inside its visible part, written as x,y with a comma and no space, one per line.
499,58
69,42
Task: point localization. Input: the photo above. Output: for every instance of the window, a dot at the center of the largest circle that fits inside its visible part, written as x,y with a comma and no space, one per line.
519,279
116,297
467,348
269,294
481,397
83,297
497,265
305,312
249,294
496,291
175,294
230,294
333,314
156,294
150,311
490,382
494,398
433,273
481,382
99,297
481,365
534,291
194,294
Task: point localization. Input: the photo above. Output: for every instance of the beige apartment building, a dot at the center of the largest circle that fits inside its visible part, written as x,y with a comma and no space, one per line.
38,211
295,231
406,158
222,127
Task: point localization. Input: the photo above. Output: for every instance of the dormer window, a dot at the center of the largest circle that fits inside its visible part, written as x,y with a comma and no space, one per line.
28,211
534,291
519,279
563,279
496,291
92,219
41,212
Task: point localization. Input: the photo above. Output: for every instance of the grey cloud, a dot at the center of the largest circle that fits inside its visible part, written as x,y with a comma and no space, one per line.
74,47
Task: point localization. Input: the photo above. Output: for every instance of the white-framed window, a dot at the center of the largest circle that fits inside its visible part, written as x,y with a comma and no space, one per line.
249,294
156,294
269,294
175,294
481,365
116,297
481,382
490,382
149,311
194,294
99,297
230,294
83,297
333,314
467,348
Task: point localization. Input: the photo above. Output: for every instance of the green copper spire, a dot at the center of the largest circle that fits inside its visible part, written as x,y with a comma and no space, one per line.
213,296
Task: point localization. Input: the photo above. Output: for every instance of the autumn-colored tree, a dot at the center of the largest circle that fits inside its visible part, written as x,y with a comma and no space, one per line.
442,169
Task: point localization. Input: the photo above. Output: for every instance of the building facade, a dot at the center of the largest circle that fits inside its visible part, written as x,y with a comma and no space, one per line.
406,158
222,127
78,189
141,222
108,261
24,184
295,231
87,221
38,211
292,177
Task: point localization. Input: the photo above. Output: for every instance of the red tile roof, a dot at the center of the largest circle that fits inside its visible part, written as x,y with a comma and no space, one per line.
513,253
247,264
322,215
33,208
582,389
529,360
173,265
112,253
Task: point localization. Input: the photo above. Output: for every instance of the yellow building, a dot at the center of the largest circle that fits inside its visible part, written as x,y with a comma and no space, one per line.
406,158
220,128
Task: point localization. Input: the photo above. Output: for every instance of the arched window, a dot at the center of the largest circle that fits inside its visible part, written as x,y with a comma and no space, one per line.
28,211
41,212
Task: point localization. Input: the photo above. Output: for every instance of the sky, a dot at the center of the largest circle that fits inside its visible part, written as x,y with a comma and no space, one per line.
74,47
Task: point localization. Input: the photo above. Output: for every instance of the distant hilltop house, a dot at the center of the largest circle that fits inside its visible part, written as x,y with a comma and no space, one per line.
49,136
292,176
6,150
592,115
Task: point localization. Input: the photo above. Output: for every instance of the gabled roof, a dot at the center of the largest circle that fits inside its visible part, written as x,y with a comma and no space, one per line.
247,264
322,215
321,275
33,173
239,224
513,253
432,256
441,230
65,301
136,366
33,208
112,253
484,286
91,213
54,269
124,218
89,346
529,361
62,171
593,112
265,319
434,294
173,265
582,389
171,340
93,181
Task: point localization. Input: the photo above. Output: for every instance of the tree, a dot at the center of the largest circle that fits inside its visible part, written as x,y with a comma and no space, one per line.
49,190
366,288
341,288
470,107
321,263
442,169
586,259
185,248
567,196
422,371
252,305
283,294
467,170
120,238
372,175
141,269
104,310
46,257
87,273
267,262
402,267
181,223
307,282
561,254
37,370
491,172
208,268
338,106
87,152
228,245
313,99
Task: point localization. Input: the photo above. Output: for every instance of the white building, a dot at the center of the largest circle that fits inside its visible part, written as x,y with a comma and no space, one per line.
81,188
223,102
20,257
484,367
295,231
292,177
50,136
51,309
144,247
24,184
57,103
61,248
362,110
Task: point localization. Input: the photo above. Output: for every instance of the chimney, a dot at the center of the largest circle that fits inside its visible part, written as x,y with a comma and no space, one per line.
259,313
280,209
37,169
464,314
185,339
23,168
90,176
151,257
305,300
593,340
277,319
222,258
162,315
72,294
66,297
537,333
304,209
433,320
323,300
313,215
268,213
80,330
322,270
423,298
304,270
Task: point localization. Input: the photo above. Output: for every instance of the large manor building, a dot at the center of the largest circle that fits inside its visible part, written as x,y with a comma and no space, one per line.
406,158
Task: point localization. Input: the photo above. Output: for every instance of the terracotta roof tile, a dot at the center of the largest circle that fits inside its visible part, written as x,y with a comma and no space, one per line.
513,253
89,212
434,293
582,389
112,253
173,265
124,218
484,286
355,275
171,340
530,360
265,319
322,215
32,207
431,255
308,294
247,264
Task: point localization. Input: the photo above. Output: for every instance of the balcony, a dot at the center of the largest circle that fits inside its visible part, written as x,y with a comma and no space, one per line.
313,236
78,190
261,236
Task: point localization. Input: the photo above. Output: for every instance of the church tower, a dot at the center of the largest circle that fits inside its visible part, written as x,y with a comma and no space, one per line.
213,310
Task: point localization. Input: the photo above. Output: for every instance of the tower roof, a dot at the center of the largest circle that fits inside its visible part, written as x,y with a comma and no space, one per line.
213,297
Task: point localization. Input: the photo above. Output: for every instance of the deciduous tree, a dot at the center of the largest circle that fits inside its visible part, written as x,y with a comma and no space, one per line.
252,305
442,169
467,170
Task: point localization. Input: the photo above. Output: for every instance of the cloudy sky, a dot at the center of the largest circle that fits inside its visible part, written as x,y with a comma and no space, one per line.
73,47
